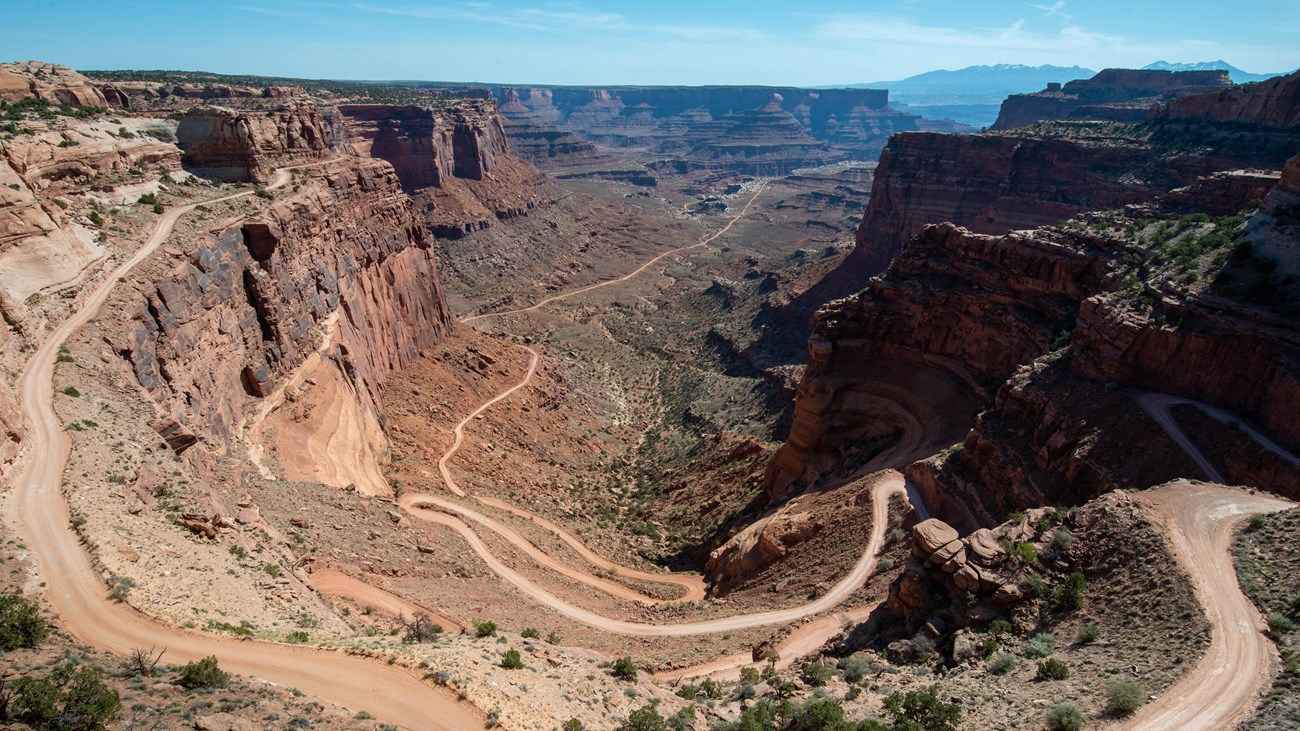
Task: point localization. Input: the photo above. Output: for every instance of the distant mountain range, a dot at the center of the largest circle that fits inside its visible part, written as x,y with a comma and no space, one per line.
1237,75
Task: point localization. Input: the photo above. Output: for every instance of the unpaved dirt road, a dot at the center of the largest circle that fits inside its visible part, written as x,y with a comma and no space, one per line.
78,595
889,483
1224,686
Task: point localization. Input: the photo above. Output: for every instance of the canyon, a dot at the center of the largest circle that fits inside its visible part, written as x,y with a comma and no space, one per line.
533,355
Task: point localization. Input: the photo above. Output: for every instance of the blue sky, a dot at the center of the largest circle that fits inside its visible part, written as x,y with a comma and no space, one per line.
647,42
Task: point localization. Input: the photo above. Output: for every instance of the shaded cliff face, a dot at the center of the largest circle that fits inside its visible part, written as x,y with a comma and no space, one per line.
1121,95
249,305
997,182
1271,103
243,146
455,162
900,370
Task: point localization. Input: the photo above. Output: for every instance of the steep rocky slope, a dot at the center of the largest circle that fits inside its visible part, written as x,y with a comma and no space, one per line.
248,305
1035,338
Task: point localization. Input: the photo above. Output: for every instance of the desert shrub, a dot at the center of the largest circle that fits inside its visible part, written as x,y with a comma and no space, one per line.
1089,633
625,669
485,628
854,668
71,391
530,634
921,710
148,199
1040,645
1123,697
1024,552
815,674
419,628
683,720
572,724
817,714
21,623
297,637
1069,595
512,660
645,719
1064,717
203,673
1033,586
1052,669
1002,663
1280,624
68,700
750,676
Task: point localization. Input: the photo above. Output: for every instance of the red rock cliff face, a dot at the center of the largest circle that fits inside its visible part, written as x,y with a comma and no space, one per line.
1116,94
987,183
243,146
248,305
901,369
454,161
1271,103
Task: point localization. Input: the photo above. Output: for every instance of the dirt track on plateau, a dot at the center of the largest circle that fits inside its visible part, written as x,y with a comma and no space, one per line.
79,597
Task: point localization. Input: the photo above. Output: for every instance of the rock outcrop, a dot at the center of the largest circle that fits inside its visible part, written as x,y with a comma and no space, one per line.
924,347
1120,95
454,161
1271,103
250,304
50,82
243,146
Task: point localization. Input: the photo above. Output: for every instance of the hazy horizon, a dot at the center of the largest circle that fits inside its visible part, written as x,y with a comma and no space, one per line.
670,43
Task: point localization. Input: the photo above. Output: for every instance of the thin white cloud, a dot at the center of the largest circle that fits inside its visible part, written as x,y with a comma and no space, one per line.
1015,37
1055,10
566,17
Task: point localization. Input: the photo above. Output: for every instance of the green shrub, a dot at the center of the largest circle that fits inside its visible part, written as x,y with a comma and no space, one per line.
750,675
1024,552
1069,595
1123,697
645,719
815,674
1040,645
1033,586
21,623
1052,669
485,628
203,673
71,391
853,668
1280,624
1064,717
572,724
512,660
1089,633
922,711
297,637
69,700
148,199
1002,663
530,634
625,669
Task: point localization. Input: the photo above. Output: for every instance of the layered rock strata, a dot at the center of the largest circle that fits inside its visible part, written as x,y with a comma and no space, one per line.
924,347
244,146
250,304
1120,95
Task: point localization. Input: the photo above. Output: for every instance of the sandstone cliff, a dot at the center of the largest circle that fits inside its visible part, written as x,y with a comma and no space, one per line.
244,145
1271,103
1121,95
249,305
50,82
903,367
454,161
